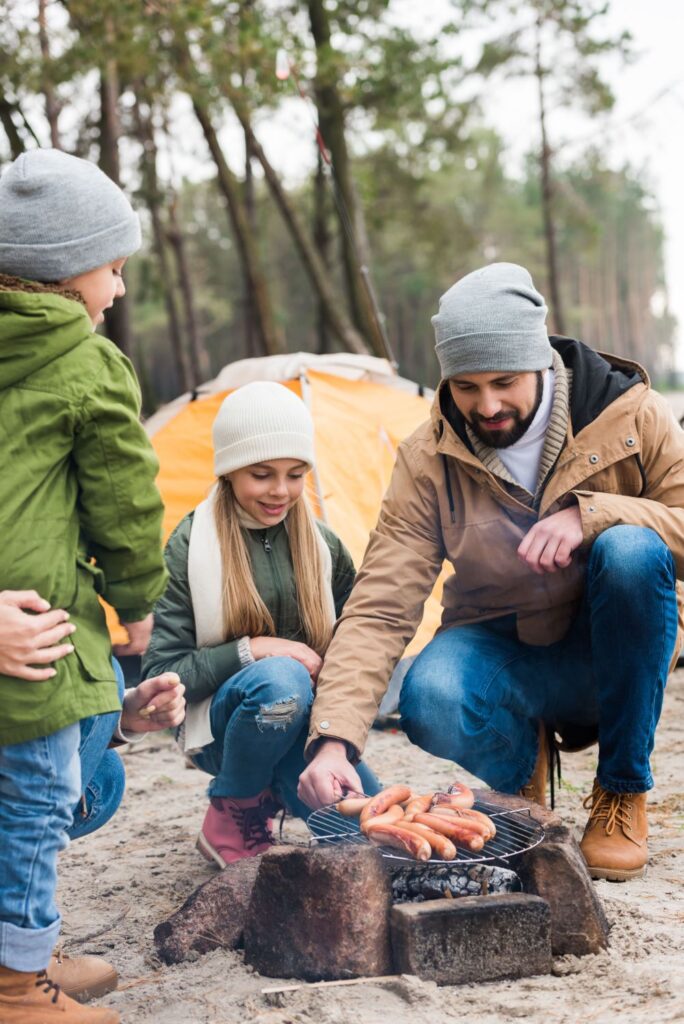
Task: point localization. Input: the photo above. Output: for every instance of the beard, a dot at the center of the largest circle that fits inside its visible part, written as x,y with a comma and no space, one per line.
505,438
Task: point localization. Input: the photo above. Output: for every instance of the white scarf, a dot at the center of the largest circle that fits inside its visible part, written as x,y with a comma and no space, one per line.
206,595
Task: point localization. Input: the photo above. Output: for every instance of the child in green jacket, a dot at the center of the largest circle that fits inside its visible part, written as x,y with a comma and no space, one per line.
80,516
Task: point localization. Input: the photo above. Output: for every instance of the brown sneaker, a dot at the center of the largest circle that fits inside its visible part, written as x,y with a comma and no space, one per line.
82,977
535,789
614,843
32,998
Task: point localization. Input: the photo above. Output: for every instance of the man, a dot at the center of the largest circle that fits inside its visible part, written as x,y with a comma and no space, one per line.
552,479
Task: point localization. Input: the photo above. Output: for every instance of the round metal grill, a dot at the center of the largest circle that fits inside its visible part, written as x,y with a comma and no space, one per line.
516,832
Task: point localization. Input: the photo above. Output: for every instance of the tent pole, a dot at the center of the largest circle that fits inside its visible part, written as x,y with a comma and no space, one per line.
306,395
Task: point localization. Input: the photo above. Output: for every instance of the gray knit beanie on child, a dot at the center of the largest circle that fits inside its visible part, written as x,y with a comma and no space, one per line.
259,422
492,319
61,216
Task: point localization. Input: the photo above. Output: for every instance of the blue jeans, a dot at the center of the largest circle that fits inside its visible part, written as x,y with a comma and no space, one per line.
475,693
259,719
41,783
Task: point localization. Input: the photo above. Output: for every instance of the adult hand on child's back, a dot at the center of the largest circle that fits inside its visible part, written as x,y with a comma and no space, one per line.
275,647
29,640
139,634
154,704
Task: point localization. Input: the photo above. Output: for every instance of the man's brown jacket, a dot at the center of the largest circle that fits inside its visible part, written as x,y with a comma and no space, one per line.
623,463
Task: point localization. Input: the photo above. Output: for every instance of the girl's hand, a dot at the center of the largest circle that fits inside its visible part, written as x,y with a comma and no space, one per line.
30,640
154,704
274,647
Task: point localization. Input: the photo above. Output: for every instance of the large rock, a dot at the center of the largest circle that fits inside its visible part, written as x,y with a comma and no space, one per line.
556,871
320,914
476,938
212,917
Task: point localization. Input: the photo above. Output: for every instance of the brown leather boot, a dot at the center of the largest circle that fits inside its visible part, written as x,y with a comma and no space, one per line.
614,843
82,977
32,998
535,788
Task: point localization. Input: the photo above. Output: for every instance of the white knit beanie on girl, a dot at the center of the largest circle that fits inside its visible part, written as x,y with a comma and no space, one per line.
258,422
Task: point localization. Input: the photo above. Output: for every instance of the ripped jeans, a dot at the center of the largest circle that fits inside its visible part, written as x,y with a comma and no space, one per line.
259,719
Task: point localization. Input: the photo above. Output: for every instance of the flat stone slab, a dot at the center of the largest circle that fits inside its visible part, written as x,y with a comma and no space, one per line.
212,917
508,801
320,914
556,871
476,938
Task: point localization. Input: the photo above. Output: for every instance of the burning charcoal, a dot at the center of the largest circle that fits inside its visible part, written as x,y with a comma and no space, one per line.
430,881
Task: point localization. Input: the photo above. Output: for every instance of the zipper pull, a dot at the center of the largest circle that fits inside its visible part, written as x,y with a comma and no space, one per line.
266,542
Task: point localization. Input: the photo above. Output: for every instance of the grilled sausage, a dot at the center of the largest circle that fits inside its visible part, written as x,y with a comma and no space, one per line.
441,845
382,801
352,806
401,839
460,832
392,815
457,795
418,805
465,813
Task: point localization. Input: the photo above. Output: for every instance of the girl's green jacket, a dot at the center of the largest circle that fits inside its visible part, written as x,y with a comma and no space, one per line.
79,511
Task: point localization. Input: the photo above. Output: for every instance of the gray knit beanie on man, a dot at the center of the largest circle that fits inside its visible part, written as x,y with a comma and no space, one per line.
61,216
490,320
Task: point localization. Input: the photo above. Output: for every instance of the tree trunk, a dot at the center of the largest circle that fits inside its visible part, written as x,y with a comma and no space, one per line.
16,143
186,380
199,357
331,122
547,196
271,337
117,319
338,321
51,105
250,209
321,237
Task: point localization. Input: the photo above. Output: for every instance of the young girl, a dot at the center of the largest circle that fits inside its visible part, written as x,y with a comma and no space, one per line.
256,586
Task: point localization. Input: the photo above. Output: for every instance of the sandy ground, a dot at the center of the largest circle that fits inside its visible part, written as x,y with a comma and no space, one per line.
116,885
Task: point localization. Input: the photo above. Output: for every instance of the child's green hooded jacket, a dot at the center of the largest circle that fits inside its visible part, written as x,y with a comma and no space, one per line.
77,483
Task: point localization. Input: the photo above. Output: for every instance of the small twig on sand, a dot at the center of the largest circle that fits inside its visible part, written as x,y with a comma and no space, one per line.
101,931
379,979
138,981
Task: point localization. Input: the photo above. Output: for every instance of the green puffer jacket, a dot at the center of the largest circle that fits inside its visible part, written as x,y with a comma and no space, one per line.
77,483
173,646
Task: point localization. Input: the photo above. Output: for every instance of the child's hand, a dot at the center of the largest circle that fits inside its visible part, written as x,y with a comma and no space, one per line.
29,640
154,704
139,634
274,647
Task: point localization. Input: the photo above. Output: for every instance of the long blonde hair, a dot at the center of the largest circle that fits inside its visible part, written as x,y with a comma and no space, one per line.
244,611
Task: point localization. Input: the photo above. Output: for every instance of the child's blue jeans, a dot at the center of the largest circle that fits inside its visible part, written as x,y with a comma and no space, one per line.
475,693
259,718
44,784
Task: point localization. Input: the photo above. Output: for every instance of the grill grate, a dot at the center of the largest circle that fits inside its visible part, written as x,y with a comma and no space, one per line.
516,832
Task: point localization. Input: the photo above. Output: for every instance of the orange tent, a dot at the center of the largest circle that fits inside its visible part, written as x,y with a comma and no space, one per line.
361,412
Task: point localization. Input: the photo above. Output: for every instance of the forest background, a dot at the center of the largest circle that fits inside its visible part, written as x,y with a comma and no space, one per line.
404,188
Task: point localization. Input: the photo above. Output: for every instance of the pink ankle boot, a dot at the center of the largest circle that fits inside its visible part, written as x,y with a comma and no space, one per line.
237,828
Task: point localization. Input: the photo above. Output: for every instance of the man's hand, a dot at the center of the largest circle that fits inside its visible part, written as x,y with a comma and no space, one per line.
329,777
28,640
274,647
154,704
139,634
549,545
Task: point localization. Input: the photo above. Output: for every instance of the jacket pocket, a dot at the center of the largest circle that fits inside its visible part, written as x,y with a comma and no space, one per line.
96,574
